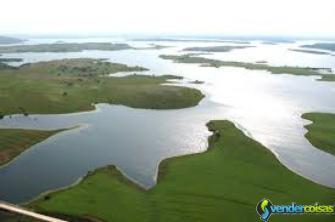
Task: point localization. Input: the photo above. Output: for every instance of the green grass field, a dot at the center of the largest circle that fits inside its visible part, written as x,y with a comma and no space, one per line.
15,141
307,71
321,133
73,85
223,184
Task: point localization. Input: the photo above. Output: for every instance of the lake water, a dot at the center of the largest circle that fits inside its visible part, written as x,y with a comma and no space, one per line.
266,107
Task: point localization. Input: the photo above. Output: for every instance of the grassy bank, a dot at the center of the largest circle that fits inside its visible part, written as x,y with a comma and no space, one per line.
66,86
15,141
307,71
223,184
321,133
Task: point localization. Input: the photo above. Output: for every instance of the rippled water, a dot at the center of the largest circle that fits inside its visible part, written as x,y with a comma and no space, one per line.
267,107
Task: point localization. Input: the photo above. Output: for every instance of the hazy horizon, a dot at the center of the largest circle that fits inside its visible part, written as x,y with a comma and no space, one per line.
152,18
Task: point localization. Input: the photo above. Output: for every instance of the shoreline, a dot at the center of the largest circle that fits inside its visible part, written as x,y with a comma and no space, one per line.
168,175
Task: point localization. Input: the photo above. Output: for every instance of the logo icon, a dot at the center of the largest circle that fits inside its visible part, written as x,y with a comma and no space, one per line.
263,208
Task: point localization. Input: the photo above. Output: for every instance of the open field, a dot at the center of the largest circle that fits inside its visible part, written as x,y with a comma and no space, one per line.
252,66
223,184
15,141
321,133
73,85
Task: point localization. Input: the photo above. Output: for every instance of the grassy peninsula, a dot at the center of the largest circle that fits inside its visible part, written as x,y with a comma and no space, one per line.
321,133
72,85
223,184
189,58
15,141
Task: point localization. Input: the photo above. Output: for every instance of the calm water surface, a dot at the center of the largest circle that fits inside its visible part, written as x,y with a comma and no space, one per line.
267,107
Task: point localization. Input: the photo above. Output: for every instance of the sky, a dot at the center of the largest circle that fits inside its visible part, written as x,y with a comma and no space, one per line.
183,17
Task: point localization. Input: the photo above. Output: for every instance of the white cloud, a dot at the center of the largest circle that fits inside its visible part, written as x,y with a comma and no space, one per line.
263,17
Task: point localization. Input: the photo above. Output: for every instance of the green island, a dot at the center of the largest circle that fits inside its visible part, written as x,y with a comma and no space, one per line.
324,46
310,51
4,40
321,133
224,48
231,177
15,141
73,85
307,71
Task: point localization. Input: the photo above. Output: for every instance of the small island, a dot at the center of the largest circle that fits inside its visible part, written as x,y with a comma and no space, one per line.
310,51
306,71
216,48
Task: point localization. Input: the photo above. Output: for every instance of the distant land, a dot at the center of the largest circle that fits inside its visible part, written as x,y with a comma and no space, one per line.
205,62
310,51
224,48
324,46
64,47
191,40
4,40
60,46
